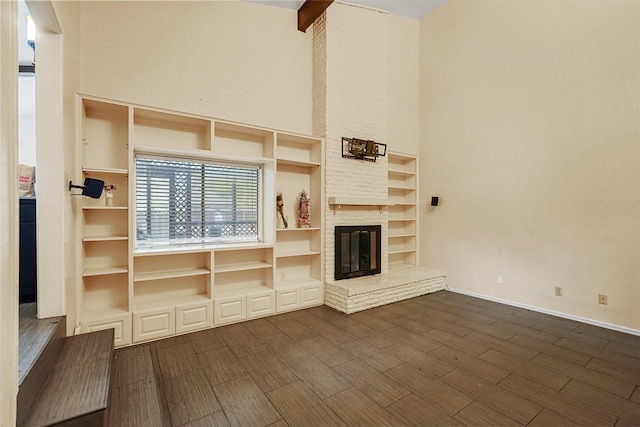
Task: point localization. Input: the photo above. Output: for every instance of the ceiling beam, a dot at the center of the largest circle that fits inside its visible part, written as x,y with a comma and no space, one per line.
310,11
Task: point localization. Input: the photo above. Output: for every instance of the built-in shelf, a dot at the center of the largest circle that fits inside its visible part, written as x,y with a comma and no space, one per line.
400,172
297,163
197,248
148,293
227,268
105,171
105,208
289,254
402,188
403,251
169,274
103,238
105,271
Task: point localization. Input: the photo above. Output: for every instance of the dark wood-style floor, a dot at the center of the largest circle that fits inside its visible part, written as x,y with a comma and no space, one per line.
440,359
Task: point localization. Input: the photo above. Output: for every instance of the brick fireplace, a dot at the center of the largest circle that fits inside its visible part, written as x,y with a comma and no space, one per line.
350,99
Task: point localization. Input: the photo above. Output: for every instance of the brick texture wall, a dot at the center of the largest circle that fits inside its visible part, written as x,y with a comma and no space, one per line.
350,98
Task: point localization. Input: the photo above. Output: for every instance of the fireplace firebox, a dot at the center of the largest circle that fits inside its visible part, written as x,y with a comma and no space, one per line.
358,251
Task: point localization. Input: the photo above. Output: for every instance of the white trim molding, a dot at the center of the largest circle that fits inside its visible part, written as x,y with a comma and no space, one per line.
593,322
9,219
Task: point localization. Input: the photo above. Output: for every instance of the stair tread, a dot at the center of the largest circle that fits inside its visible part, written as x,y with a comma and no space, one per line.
79,382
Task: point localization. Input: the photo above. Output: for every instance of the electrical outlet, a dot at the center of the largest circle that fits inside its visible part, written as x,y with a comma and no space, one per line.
602,299
558,291
499,279
281,276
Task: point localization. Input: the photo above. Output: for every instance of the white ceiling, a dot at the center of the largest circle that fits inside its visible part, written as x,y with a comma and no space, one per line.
414,9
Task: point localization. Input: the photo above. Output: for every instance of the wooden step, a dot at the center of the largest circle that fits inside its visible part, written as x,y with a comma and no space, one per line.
41,342
77,392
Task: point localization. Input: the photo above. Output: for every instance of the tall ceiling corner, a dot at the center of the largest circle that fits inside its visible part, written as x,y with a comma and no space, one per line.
310,11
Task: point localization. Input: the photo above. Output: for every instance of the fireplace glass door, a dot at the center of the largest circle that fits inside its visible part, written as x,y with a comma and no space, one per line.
357,251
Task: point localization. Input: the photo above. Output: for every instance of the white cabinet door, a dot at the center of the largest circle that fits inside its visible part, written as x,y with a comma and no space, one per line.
152,324
230,309
287,299
311,295
260,304
194,316
121,324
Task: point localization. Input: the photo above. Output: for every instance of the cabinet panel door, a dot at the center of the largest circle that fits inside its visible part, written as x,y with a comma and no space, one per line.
152,324
231,309
121,325
190,317
287,299
260,304
311,295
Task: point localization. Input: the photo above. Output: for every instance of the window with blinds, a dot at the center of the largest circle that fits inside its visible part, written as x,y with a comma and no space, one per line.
180,201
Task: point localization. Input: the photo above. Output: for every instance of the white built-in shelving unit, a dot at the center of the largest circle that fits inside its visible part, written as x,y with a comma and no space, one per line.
151,293
403,204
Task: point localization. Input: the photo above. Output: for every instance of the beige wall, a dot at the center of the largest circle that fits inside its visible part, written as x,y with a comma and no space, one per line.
69,15
403,76
530,134
229,59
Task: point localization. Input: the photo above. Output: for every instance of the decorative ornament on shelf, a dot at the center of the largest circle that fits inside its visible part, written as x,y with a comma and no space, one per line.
280,209
304,218
108,194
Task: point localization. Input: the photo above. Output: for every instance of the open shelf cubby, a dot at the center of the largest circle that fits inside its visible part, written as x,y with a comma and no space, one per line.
170,266
231,139
306,241
166,130
298,150
105,135
171,279
290,181
105,224
300,270
104,295
105,257
228,261
402,212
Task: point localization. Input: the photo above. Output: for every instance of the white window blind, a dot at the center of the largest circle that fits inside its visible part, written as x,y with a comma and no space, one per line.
181,201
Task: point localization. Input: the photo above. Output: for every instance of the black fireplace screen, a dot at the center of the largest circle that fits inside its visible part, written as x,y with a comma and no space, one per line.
357,251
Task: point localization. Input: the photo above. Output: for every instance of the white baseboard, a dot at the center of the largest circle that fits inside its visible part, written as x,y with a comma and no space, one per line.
612,326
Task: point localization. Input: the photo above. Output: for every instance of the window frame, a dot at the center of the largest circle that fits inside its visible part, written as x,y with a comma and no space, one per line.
189,158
